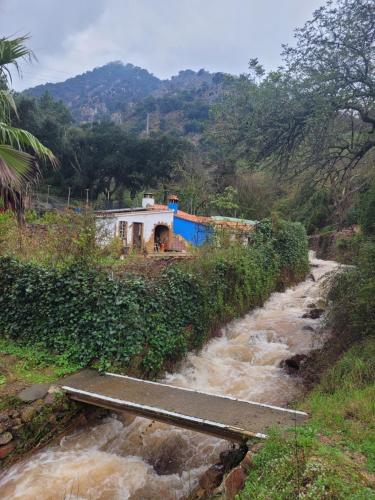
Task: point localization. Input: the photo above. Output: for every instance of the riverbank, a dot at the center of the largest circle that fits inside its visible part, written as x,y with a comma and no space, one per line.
333,455
33,413
152,460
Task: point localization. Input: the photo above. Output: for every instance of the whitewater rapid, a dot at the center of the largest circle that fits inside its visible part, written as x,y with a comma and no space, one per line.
125,457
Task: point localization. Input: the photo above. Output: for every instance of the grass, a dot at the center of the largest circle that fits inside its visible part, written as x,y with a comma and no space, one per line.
333,455
21,366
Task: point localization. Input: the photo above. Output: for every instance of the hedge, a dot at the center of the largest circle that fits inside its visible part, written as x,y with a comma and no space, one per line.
139,324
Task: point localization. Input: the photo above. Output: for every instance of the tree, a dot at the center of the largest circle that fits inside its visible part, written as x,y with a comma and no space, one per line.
334,64
20,151
226,202
318,111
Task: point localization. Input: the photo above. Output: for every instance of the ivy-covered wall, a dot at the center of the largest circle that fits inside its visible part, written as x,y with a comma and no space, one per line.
139,324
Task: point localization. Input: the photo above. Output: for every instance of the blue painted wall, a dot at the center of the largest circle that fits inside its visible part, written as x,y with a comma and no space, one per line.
193,232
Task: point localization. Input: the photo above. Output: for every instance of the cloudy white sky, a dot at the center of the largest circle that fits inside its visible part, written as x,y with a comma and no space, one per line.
163,36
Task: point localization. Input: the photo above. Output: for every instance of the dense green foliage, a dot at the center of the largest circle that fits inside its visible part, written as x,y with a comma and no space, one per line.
141,323
352,294
102,157
367,214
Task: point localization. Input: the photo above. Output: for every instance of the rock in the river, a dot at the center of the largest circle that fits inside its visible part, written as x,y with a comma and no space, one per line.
212,477
293,364
234,482
5,438
308,328
247,461
314,313
231,458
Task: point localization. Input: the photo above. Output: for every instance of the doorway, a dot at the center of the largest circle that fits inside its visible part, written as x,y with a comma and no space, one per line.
137,235
161,238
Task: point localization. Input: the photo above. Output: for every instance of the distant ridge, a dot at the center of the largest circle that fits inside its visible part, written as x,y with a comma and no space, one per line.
126,94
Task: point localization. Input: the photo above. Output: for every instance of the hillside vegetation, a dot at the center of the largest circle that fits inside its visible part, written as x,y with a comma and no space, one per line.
126,94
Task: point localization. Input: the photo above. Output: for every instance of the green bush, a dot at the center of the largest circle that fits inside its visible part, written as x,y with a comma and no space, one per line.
138,323
292,246
352,296
367,212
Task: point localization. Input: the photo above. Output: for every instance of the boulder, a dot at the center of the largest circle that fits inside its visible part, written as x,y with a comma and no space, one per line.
308,328
247,461
314,313
36,391
234,482
5,438
293,364
212,477
231,458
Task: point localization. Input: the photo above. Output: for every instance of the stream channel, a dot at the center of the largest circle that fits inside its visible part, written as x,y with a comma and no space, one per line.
125,457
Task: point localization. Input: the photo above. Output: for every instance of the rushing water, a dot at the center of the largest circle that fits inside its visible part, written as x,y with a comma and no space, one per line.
133,458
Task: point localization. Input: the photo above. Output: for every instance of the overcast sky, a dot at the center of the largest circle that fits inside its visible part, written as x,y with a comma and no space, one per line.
163,36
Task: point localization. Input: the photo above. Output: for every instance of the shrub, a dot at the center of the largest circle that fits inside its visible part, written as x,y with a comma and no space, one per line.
367,212
138,323
352,296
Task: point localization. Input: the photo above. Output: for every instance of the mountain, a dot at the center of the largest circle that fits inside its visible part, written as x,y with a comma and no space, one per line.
132,96
102,90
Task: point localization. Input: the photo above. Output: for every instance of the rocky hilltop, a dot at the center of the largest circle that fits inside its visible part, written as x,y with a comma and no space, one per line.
126,94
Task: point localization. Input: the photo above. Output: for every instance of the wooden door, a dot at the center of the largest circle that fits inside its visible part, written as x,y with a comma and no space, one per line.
137,235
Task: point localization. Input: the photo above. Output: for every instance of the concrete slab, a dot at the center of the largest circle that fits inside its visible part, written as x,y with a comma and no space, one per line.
221,416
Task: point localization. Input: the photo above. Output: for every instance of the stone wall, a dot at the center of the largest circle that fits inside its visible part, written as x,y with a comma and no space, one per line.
35,420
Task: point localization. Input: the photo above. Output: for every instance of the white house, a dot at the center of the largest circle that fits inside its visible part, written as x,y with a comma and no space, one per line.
146,228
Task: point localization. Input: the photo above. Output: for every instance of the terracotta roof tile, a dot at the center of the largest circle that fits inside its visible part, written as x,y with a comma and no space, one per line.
184,215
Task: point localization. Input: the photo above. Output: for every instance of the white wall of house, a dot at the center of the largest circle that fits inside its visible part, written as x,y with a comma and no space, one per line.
109,224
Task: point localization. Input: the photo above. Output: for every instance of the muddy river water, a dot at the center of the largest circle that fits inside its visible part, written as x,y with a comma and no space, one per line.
133,458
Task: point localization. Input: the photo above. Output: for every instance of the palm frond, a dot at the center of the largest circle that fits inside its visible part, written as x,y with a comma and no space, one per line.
7,105
17,168
24,140
12,49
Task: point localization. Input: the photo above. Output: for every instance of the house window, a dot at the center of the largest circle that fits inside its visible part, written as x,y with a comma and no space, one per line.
123,230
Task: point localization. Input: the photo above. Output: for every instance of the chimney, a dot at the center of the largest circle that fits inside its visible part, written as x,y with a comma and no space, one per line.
148,200
173,202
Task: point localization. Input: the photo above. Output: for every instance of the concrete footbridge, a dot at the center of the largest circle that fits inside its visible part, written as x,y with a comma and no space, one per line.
221,416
